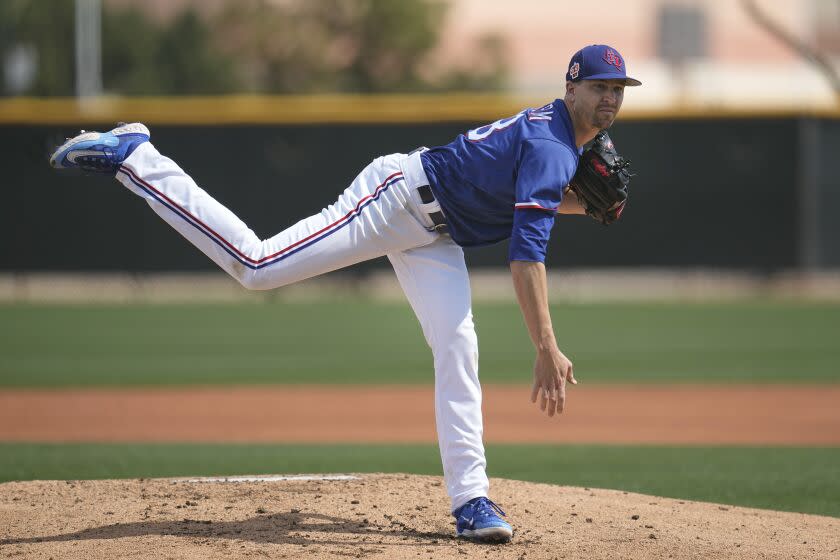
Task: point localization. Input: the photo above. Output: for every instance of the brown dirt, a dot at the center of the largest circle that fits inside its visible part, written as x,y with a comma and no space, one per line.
382,516
678,414
399,516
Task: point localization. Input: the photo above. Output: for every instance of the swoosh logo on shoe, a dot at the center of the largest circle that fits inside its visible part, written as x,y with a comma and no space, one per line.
71,157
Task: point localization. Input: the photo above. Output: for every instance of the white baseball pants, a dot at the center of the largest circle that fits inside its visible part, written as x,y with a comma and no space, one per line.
380,213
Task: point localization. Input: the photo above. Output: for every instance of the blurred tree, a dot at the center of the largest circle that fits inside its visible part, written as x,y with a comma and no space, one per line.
139,56
129,60
293,46
489,70
47,28
178,58
299,46
189,60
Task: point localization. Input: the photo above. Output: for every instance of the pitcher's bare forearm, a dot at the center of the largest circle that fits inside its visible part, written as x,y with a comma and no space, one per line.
531,285
551,369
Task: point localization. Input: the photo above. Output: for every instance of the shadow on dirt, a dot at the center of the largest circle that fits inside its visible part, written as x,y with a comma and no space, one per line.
297,528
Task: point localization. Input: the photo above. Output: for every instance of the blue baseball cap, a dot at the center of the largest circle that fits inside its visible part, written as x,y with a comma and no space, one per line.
599,62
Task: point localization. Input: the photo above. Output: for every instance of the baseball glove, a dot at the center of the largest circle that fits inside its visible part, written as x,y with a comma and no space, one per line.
601,180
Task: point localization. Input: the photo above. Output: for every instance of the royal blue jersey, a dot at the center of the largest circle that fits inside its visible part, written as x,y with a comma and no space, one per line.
506,180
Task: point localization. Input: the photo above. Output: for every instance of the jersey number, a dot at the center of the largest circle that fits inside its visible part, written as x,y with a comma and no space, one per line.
482,132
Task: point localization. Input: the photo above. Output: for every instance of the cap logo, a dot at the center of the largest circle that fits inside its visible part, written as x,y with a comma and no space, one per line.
574,70
612,58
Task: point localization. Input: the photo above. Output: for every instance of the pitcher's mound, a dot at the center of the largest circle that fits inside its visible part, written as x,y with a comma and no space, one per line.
380,516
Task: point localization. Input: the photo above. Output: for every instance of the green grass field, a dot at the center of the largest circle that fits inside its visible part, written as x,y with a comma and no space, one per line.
788,479
366,342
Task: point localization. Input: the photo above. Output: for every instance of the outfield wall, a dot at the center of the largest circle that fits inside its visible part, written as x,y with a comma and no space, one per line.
728,191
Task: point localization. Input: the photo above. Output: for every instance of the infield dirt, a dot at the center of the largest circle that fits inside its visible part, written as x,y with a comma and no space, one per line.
630,414
400,516
382,516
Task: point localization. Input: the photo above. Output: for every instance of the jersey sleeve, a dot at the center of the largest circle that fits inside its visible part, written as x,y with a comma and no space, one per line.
545,168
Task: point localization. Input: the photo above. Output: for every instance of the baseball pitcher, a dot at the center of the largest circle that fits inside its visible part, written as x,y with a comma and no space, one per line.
508,179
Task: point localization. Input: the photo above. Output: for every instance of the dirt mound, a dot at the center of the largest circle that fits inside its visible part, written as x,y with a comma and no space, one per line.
381,516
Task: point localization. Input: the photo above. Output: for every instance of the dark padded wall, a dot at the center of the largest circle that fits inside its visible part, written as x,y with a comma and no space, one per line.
828,193
707,193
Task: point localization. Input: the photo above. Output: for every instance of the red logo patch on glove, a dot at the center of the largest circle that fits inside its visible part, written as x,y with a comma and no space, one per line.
600,168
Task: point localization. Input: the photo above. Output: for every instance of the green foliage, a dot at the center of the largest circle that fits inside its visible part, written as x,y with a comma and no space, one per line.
791,479
189,60
129,59
47,26
139,56
360,46
179,58
54,345
298,46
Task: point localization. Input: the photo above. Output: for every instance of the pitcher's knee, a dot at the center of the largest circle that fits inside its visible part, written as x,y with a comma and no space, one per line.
252,283
460,341
254,280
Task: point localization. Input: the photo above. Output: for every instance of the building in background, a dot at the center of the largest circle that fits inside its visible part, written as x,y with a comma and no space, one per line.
727,60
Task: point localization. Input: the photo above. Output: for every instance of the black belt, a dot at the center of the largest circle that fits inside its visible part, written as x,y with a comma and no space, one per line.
426,197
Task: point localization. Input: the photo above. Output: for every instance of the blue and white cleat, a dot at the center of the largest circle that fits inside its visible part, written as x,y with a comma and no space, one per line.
479,520
100,152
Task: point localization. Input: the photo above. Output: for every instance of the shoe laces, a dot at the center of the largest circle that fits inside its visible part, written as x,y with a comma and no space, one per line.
485,507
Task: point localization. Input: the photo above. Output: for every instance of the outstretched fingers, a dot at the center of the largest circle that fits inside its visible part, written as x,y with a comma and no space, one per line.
535,391
561,397
551,399
550,378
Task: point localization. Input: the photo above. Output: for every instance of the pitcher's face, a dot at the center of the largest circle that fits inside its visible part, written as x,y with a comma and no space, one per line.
596,102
